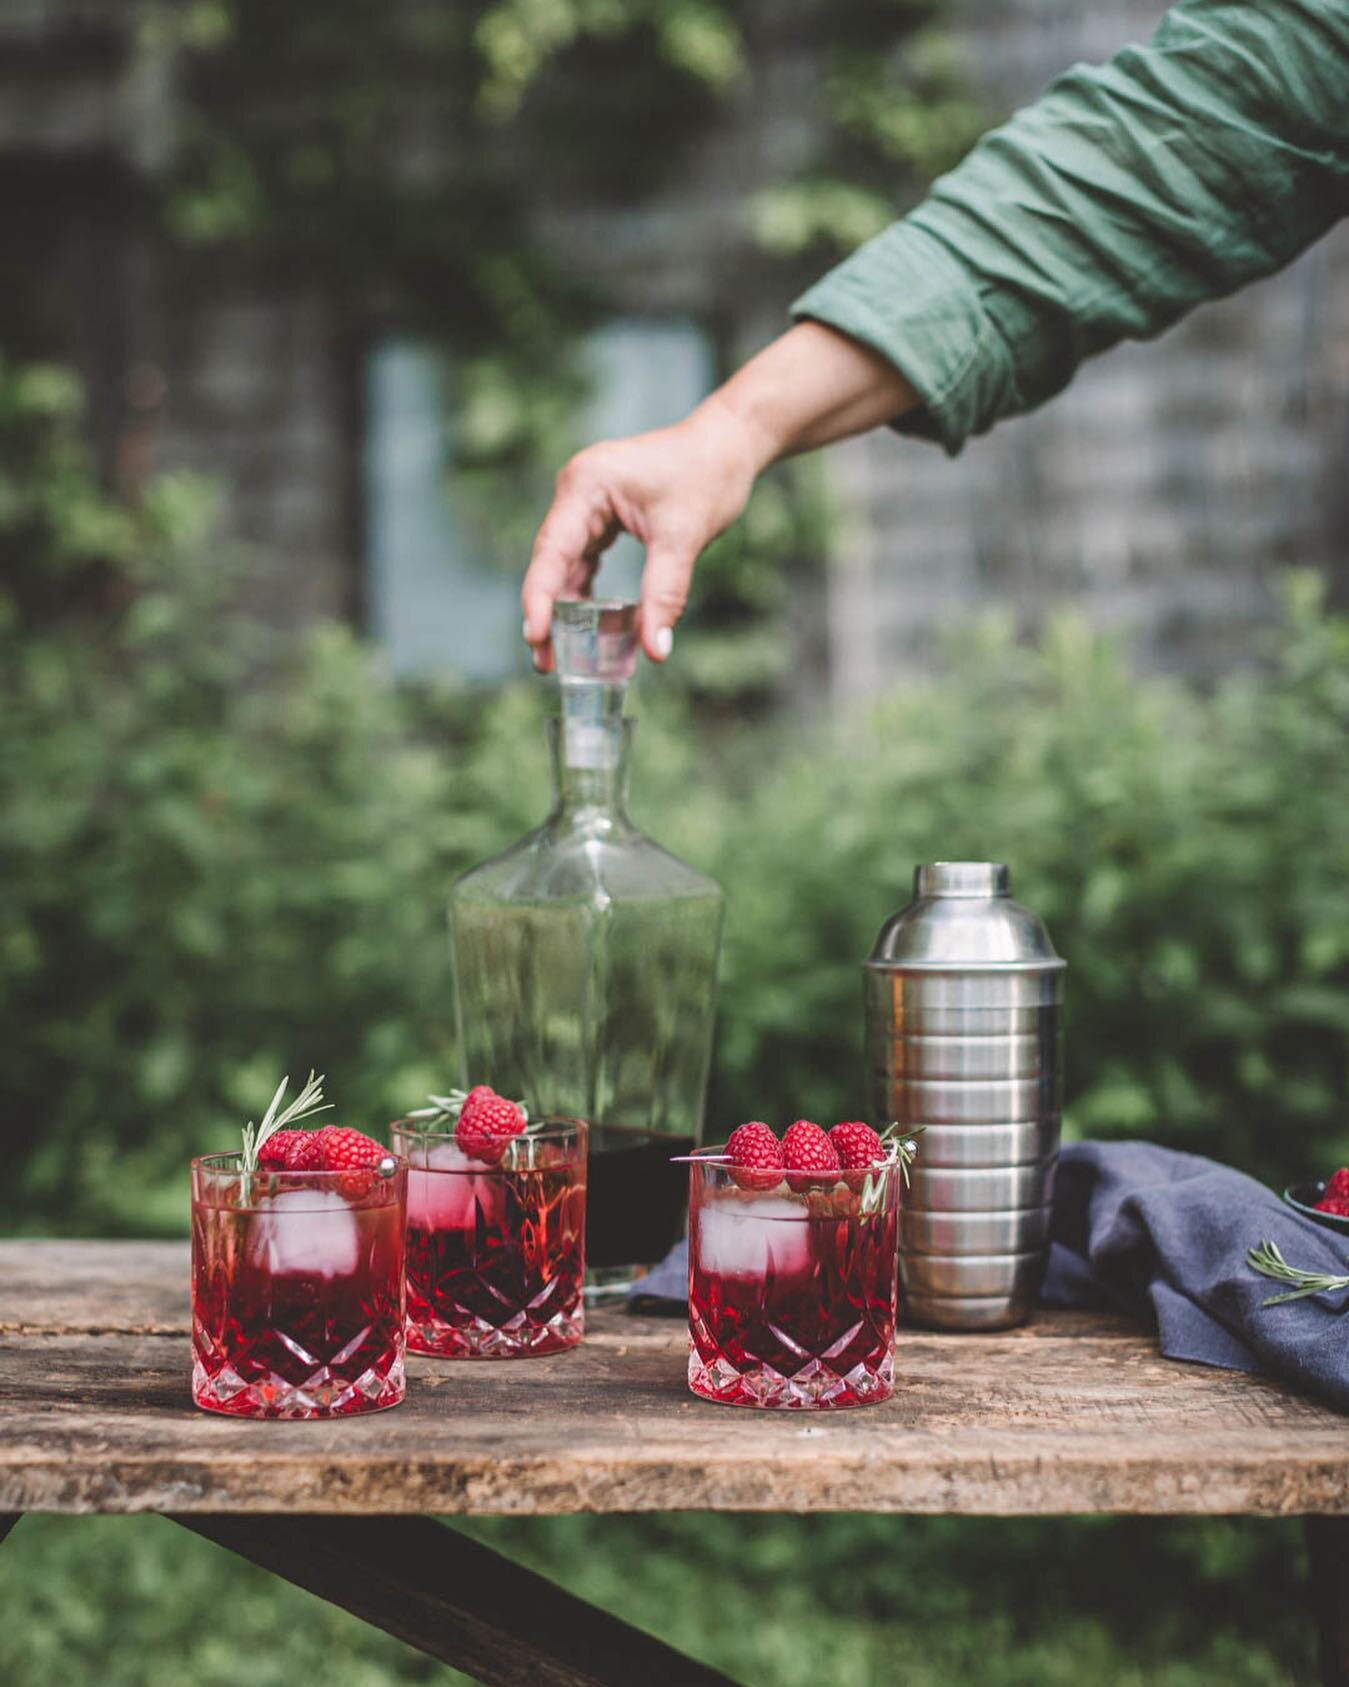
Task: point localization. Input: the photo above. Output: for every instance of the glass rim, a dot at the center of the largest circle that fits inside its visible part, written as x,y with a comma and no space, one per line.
553,1128
228,1165
706,1159
211,1175
707,1153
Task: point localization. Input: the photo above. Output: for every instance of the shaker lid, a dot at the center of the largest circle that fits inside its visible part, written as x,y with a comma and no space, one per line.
962,915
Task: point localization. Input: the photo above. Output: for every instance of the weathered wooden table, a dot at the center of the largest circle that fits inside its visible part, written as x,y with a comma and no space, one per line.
1075,1413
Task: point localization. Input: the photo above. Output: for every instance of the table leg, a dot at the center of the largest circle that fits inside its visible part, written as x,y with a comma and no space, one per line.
1328,1549
456,1600
7,1521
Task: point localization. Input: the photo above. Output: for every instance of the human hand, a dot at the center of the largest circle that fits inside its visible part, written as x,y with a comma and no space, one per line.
674,489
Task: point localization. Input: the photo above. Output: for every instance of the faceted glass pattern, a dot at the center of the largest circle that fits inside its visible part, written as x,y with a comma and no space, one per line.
496,1252
297,1290
792,1290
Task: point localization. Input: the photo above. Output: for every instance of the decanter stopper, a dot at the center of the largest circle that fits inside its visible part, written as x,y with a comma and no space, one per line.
594,641
594,653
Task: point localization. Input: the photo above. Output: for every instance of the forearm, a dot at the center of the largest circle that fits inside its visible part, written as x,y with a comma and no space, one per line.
810,387
1129,193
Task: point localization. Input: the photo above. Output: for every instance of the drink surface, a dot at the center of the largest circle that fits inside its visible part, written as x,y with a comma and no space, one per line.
495,1256
637,1197
791,1297
297,1301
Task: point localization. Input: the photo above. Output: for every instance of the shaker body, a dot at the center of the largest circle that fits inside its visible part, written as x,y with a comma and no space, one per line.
964,997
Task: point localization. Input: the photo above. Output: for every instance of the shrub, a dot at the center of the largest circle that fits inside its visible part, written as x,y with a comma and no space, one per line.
1188,851
223,858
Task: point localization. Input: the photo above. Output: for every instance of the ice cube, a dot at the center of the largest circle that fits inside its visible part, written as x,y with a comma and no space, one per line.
445,1196
751,1238
308,1230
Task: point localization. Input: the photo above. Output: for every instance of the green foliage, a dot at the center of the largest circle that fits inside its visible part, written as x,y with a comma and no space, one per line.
224,860
846,1601
396,159
191,856
1187,851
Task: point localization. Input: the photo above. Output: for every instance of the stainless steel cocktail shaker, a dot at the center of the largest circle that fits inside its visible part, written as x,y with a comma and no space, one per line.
964,995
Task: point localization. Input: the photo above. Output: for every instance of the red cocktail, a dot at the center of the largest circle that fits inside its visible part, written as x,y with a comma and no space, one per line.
495,1245
792,1287
297,1289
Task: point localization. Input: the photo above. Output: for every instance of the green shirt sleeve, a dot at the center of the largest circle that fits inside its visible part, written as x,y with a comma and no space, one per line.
1127,194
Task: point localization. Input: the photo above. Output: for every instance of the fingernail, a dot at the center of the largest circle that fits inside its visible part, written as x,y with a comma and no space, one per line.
524,631
664,642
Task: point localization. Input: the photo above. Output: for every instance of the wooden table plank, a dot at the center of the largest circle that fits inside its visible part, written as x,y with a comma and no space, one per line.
457,1600
1070,1414
71,1288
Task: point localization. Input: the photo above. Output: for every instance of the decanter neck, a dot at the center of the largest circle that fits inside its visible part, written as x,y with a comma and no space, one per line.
591,754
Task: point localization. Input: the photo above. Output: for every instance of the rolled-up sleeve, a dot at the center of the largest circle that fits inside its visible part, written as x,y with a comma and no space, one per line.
1127,194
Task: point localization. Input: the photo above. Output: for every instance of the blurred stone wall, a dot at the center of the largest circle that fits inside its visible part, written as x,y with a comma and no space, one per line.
188,364
1159,494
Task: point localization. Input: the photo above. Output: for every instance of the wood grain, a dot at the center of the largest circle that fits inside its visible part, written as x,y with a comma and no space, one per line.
85,1288
457,1600
1070,1414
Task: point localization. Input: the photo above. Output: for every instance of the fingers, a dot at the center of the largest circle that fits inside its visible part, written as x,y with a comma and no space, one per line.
575,532
607,489
665,591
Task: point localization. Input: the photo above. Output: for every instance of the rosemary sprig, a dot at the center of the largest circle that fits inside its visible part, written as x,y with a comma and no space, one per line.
309,1101
903,1151
1269,1262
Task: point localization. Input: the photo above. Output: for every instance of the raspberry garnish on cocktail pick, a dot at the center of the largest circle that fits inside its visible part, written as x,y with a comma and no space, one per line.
339,1148
901,1149
807,1152
856,1145
305,1154
308,1102
755,1155
859,1146
285,1150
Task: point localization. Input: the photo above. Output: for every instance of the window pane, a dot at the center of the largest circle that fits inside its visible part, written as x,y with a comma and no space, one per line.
435,602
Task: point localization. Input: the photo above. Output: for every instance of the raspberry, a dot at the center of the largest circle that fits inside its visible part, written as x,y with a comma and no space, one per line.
339,1148
276,1153
807,1150
487,1122
306,1154
755,1155
856,1144
1338,1187
1336,1204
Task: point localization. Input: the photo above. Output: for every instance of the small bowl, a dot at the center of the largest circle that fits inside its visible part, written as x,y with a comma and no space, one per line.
1302,1197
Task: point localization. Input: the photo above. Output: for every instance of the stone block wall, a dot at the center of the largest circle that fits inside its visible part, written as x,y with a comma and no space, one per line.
1160,494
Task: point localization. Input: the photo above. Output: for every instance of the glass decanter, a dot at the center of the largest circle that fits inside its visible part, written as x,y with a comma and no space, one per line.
585,961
